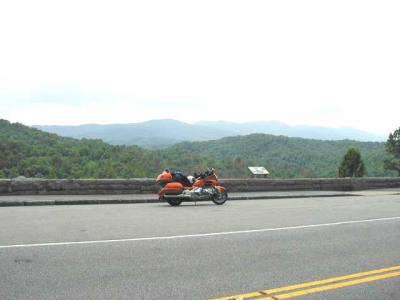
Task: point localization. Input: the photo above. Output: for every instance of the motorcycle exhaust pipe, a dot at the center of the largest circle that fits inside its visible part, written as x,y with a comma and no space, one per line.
177,197
188,197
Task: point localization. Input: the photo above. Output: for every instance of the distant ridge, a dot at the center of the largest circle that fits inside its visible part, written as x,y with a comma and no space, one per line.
150,134
166,132
302,131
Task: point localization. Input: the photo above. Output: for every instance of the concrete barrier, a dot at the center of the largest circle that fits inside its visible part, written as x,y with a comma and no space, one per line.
147,186
310,184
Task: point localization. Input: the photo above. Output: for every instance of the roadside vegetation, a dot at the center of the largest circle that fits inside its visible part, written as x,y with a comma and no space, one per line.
29,152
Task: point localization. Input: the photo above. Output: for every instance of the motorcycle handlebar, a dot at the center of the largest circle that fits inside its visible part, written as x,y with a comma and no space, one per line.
206,173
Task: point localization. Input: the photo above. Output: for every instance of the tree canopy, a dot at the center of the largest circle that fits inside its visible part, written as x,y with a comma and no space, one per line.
393,148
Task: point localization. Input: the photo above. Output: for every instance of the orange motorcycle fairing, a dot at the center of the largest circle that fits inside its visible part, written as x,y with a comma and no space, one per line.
211,179
199,182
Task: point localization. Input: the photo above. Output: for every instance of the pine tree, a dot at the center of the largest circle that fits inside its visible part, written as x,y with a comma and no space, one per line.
352,164
393,148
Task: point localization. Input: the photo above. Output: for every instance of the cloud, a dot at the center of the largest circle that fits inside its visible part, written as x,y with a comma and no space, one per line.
302,62
61,95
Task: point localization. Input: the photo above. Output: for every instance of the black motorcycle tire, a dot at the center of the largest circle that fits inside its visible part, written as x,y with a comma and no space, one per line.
220,198
174,201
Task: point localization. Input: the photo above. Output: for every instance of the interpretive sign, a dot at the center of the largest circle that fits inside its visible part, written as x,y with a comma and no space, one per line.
258,170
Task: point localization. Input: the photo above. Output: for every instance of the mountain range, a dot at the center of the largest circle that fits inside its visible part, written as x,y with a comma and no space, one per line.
166,132
29,152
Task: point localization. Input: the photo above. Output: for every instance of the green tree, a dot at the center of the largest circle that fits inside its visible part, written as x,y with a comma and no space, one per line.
352,164
393,148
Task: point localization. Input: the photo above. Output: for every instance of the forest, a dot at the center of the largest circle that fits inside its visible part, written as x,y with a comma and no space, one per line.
29,152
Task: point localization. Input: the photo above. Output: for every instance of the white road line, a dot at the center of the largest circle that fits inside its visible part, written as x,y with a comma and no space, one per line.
155,238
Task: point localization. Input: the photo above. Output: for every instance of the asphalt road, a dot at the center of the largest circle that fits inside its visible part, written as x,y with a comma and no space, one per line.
154,251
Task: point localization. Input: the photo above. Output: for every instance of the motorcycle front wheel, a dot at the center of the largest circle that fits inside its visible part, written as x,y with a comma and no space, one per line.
220,198
174,201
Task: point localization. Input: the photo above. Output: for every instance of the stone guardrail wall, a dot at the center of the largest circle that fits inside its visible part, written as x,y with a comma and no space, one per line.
146,185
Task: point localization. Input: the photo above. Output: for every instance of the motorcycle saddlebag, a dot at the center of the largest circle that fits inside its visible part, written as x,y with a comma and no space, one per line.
173,188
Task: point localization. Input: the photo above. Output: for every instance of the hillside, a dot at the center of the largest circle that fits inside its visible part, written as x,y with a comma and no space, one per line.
33,153
162,133
282,156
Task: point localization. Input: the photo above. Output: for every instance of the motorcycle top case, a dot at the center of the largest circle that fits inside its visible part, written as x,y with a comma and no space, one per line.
164,177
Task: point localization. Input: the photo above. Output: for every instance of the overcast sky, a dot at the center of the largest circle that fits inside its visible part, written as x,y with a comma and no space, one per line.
328,63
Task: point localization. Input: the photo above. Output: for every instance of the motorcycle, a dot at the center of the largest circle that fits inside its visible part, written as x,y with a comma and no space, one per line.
176,187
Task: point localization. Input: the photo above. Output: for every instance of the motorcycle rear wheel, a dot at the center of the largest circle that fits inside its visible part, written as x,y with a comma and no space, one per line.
174,201
220,198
